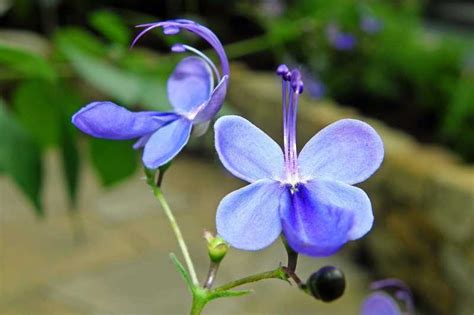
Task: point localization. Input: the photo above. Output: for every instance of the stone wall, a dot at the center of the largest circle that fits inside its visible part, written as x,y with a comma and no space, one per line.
423,198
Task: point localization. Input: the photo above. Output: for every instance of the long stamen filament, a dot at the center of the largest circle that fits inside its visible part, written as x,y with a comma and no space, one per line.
284,88
203,56
292,87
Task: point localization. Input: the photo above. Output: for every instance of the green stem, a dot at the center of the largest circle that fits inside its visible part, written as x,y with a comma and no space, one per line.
174,225
278,273
198,304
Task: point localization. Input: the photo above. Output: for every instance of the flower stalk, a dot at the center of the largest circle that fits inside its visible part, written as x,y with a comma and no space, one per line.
177,231
278,273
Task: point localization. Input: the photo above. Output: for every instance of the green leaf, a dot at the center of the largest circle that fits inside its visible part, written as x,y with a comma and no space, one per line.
228,293
114,160
70,158
143,83
36,105
20,158
111,26
80,39
182,271
26,63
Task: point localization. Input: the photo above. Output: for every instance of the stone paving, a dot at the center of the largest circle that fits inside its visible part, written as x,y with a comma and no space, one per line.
122,265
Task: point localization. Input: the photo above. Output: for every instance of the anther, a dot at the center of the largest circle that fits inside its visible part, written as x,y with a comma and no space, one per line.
170,30
178,48
296,82
284,72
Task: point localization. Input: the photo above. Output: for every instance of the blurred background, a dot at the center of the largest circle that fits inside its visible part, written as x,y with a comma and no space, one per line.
81,234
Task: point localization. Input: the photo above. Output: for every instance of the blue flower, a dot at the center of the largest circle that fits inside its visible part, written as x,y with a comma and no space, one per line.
340,40
371,24
191,91
307,197
380,302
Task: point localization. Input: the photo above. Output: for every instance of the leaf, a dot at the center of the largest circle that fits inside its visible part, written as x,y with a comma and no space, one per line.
228,293
69,37
26,63
182,271
20,158
143,83
111,26
36,105
114,160
70,159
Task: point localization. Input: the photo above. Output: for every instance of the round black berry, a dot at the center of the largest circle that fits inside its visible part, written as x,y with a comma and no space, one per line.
327,284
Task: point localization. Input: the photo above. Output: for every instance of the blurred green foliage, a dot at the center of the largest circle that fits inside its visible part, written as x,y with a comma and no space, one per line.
47,93
402,73
404,68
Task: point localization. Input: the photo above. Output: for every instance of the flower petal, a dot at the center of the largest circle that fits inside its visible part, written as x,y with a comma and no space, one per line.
249,218
323,215
190,85
212,107
348,150
246,151
166,143
109,121
380,303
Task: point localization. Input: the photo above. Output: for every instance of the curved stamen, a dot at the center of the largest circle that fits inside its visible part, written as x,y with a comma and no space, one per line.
283,71
173,27
183,48
292,87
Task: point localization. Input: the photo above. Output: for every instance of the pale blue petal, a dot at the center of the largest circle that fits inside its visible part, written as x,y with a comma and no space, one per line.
323,215
380,303
249,218
348,150
166,143
109,121
246,151
212,107
190,85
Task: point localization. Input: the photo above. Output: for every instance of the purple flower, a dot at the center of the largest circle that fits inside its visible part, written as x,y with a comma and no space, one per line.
191,91
371,24
307,197
380,302
340,40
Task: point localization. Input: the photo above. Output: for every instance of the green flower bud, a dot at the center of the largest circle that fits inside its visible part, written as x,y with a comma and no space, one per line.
216,246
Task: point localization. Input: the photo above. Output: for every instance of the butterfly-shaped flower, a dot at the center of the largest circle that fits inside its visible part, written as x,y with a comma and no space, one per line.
308,197
380,302
191,91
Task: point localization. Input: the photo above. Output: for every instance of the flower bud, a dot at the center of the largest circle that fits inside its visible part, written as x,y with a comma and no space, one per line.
217,248
327,284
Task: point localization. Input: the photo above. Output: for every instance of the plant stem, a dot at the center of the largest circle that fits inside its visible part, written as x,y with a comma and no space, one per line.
278,273
200,299
211,275
177,232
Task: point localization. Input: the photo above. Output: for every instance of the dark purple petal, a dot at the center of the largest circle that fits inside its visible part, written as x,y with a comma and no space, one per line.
348,150
323,215
109,121
212,107
249,218
246,151
190,85
166,143
380,303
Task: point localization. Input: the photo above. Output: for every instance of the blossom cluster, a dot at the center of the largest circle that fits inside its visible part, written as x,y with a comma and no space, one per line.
308,197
